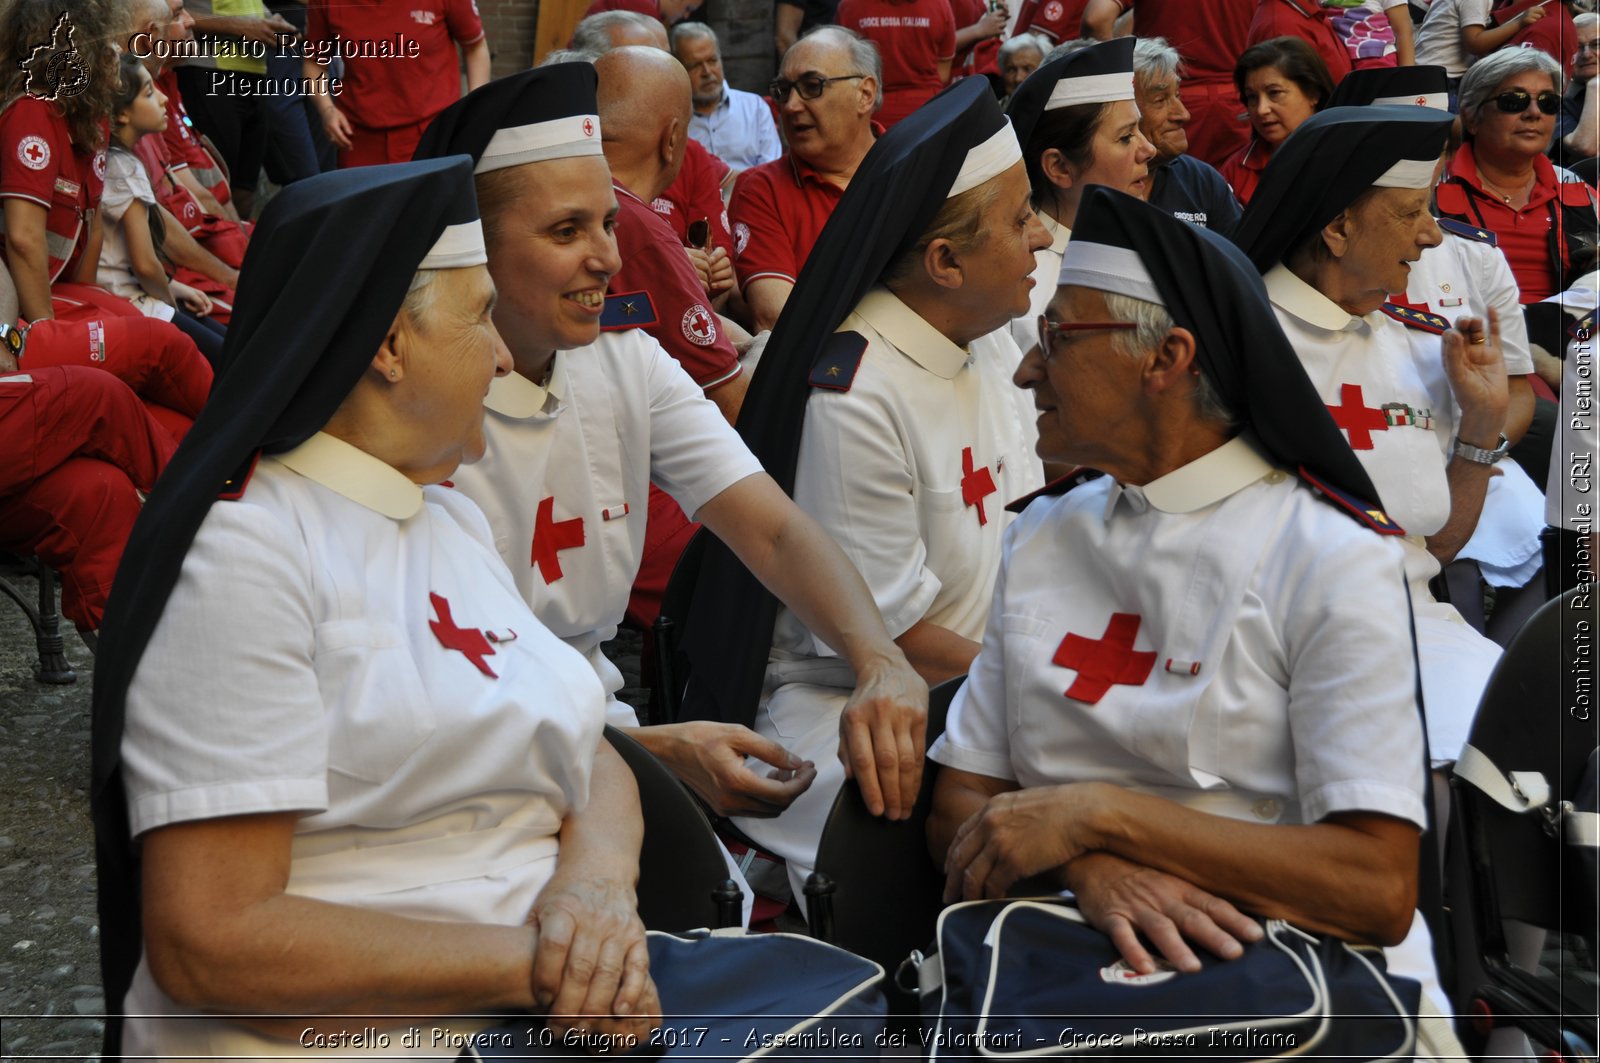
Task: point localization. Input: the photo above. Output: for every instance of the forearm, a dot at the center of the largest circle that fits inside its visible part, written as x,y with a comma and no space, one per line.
1481,40
787,27
208,202
1469,482
603,840
957,797
1099,17
767,297
316,76
1519,408
937,653
729,395
30,271
476,56
185,250
970,35
1405,49
1585,139
1353,876
154,283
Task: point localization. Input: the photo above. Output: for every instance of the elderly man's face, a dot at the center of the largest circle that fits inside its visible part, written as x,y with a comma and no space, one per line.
1022,62
1084,386
180,27
816,127
1586,59
1162,116
450,355
701,59
552,252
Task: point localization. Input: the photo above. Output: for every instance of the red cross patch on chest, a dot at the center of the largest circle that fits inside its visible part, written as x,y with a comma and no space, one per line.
1357,418
976,484
1105,662
467,641
550,537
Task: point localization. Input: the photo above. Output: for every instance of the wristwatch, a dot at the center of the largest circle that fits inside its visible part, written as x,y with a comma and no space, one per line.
1479,455
13,340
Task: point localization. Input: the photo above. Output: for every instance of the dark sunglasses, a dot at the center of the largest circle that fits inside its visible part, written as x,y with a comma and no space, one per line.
810,86
1516,101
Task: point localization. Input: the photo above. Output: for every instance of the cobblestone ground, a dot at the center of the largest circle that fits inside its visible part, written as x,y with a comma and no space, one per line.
50,995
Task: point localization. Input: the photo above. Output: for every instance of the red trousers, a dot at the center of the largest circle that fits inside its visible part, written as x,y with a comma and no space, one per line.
154,358
78,445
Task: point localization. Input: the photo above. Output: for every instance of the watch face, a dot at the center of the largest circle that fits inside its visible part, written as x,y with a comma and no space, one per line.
11,336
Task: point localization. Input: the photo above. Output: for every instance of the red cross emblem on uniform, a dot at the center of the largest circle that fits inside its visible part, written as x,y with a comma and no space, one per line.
467,641
976,484
1354,416
1104,662
35,152
588,127
550,537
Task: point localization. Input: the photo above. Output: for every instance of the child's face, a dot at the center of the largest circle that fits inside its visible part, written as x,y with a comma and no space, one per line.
148,111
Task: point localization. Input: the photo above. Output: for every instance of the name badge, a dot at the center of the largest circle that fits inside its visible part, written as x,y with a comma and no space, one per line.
66,187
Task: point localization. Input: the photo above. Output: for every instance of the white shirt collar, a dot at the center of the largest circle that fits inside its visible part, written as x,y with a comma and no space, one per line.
905,328
517,397
1293,295
355,474
1203,482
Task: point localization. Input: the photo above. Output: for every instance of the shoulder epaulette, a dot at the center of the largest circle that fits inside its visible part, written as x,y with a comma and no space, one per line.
836,365
1467,232
1076,478
1412,317
627,310
1365,512
233,487
1584,326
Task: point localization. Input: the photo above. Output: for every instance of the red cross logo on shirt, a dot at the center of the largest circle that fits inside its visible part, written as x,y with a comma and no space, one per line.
976,485
1106,661
551,537
588,127
467,641
35,152
1354,416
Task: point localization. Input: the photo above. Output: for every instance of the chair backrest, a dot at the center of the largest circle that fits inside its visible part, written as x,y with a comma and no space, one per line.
672,670
681,864
887,890
1535,717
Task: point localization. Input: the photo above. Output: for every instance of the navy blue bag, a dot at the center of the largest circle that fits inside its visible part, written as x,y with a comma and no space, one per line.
1018,979
731,995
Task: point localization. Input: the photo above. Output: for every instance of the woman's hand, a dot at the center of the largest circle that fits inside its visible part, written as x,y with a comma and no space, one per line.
1476,369
710,758
591,971
1124,900
1018,834
193,300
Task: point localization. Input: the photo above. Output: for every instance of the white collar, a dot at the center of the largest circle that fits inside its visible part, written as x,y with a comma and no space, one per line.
355,474
1293,295
1205,481
905,328
517,397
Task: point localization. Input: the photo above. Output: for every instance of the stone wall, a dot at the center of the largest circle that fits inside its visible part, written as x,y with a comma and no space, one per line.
743,26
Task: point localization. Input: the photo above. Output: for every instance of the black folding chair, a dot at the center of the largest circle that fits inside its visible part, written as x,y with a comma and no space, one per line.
1508,859
876,891
52,666
671,671
683,877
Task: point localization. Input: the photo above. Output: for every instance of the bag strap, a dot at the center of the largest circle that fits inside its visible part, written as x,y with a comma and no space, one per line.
1515,791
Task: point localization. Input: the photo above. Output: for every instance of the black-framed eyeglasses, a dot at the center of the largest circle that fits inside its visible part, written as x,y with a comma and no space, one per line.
1516,101
810,86
1049,330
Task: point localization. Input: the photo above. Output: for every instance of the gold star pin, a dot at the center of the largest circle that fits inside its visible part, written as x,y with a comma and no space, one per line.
833,370
629,309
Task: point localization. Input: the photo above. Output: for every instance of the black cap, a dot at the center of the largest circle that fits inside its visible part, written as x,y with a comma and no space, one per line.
1098,74
1416,86
891,200
327,271
1327,163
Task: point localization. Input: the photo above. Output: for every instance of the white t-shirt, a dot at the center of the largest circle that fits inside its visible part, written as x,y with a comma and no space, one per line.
344,644
126,181
565,480
1439,36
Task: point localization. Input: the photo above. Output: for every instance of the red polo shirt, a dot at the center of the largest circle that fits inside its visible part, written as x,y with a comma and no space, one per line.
1523,236
402,89
1307,20
778,211
697,194
653,261
1059,20
1210,36
1243,168
39,163
183,148
913,37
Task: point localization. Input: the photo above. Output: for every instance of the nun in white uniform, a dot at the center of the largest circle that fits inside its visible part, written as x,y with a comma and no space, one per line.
1078,125
1334,242
349,754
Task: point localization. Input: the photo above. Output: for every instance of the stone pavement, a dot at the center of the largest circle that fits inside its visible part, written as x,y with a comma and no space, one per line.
49,960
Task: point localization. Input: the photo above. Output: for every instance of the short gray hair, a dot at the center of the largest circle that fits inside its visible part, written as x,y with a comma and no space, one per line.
567,55
864,57
420,295
1154,323
1485,76
1018,43
1068,47
593,34
1155,61
697,31
1585,20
